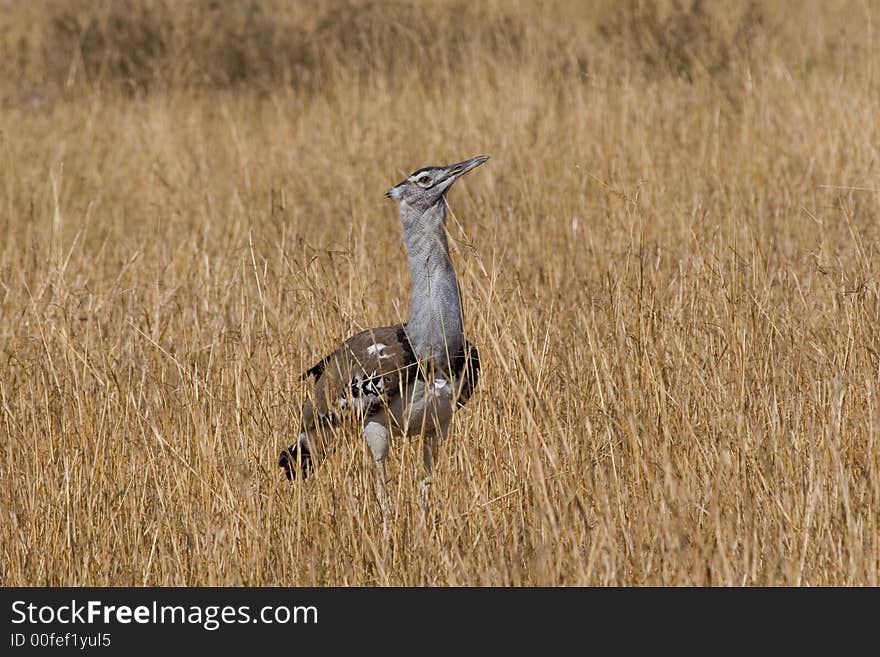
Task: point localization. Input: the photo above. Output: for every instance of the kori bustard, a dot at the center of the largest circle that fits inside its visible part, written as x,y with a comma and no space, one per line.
407,378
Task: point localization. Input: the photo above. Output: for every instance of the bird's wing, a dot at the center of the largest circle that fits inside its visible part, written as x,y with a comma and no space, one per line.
466,370
365,373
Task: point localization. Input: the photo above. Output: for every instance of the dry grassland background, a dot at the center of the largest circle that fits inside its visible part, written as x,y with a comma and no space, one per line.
670,265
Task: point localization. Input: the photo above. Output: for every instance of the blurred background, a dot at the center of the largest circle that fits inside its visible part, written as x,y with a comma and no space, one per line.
52,49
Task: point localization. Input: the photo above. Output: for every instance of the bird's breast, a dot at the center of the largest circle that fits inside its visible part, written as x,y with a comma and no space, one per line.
424,407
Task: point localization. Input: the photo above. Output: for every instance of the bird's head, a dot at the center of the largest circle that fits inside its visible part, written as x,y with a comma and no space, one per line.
426,187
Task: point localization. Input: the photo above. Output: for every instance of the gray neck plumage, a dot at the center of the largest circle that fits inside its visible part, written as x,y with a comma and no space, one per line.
435,326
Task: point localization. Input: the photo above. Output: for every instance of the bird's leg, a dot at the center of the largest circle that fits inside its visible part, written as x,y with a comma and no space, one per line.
430,448
376,435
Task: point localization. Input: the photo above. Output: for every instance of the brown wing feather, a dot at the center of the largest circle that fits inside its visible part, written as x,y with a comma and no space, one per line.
367,371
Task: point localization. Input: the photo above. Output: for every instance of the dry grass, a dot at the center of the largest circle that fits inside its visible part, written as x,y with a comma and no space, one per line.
670,265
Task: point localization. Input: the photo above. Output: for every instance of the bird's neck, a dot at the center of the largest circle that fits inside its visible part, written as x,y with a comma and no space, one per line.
435,326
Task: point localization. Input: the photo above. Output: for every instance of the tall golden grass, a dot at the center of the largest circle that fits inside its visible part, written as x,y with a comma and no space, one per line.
670,266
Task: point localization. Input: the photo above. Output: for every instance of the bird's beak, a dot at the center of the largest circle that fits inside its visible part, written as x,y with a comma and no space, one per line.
454,171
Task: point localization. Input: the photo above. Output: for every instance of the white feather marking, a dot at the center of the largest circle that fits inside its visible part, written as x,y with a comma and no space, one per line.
439,383
377,349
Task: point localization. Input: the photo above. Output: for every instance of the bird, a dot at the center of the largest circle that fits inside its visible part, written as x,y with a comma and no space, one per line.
405,378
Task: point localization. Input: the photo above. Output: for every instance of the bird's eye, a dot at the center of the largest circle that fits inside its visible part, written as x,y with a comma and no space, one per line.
424,180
